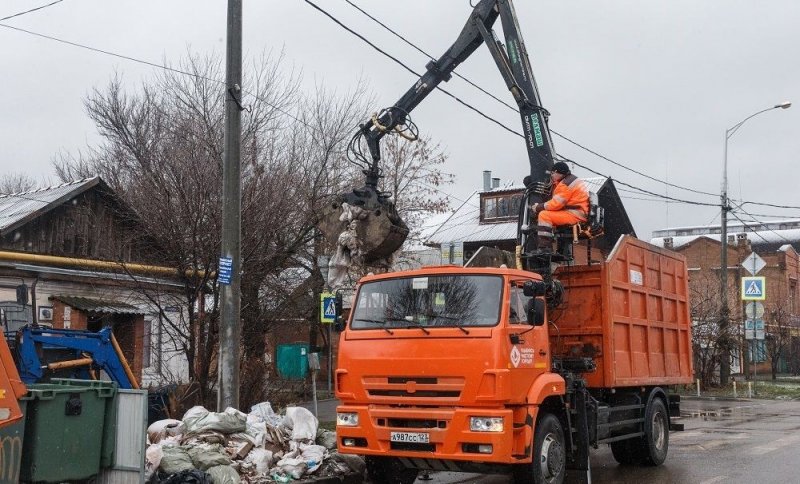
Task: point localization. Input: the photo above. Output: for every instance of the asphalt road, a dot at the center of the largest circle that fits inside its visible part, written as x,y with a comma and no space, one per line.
724,442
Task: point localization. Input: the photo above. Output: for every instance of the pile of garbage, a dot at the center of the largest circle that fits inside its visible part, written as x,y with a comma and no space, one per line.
233,447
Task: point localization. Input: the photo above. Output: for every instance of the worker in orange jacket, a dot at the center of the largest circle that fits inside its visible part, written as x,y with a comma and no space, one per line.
568,206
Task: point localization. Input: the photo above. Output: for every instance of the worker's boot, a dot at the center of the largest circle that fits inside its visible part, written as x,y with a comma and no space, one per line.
544,240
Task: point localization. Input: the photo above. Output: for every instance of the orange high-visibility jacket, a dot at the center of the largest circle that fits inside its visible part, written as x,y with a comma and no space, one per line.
572,195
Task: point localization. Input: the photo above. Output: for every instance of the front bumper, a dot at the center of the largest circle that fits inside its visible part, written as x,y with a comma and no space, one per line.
449,431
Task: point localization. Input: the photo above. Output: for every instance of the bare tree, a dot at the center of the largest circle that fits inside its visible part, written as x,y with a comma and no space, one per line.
706,333
413,175
16,183
778,333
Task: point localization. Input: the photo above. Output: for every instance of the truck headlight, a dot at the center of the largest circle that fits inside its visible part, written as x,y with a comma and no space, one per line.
486,424
347,419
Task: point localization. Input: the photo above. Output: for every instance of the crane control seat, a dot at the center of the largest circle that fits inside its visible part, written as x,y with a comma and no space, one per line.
592,228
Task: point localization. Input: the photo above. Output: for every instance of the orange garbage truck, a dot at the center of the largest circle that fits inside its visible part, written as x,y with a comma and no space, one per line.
481,370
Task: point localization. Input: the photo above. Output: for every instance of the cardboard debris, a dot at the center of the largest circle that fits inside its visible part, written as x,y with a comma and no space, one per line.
255,448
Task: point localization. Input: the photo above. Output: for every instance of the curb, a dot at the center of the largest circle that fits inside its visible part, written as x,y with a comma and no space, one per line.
722,399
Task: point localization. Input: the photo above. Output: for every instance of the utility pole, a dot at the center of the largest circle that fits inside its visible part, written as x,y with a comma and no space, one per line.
724,315
231,260
724,340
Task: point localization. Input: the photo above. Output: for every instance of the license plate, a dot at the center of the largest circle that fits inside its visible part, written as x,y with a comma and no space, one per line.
411,437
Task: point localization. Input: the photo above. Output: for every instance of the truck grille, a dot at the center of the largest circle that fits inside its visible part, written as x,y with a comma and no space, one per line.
414,387
413,446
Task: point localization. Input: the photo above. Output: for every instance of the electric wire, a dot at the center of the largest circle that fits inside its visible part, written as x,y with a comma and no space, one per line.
31,10
516,110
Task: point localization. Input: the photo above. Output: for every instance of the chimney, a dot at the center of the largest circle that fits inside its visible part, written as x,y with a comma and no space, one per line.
741,240
495,183
731,239
668,243
487,180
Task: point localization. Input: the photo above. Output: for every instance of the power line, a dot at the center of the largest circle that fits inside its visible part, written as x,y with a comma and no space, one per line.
31,10
516,110
152,64
642,190
398,61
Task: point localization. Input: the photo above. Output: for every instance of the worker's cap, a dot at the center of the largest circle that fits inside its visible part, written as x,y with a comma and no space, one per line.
560,167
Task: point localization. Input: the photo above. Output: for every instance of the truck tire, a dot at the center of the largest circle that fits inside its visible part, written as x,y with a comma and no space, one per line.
656,433
651,449
627,452
386,470
548,465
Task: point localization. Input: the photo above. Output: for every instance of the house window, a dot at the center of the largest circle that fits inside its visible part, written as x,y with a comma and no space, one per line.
497,208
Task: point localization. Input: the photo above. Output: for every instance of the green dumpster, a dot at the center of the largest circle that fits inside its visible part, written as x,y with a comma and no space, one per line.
110,421
293,361
11,439
64,426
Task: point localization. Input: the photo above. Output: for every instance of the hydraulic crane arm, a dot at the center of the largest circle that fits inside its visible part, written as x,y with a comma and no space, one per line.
514,65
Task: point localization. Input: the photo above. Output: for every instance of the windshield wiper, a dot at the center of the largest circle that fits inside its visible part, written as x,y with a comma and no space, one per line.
450,318
376,321
414,324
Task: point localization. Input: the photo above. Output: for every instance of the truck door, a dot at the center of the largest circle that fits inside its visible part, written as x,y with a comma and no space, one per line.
528,345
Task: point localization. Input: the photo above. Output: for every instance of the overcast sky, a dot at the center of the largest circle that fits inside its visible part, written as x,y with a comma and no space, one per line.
652,85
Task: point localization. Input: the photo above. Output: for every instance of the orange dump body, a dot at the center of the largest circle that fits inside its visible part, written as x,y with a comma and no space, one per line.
630,314
11,387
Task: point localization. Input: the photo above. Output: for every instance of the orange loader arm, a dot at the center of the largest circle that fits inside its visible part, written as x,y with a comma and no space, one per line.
11,387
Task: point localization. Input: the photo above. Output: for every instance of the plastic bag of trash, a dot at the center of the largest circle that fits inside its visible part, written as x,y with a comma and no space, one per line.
205,456
264,411
159,430
293,467
326,438
301,422
194,412
175,459
313,455
223,475
228,422
354,462
262,458
153,456
257,429
192,476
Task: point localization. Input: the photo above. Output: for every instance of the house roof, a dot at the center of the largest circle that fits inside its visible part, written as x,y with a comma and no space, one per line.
16,209
464,223
760,240
100,306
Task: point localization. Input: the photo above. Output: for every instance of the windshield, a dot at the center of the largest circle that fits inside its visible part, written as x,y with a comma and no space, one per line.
458,300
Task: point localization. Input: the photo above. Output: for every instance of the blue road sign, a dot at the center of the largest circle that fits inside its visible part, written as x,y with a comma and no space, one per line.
225,270
753,289
327,307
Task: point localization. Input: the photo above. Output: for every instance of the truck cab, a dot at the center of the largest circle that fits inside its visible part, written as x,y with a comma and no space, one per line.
448,362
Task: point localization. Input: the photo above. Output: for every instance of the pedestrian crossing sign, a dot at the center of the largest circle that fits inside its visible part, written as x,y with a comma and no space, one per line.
327,307
753,289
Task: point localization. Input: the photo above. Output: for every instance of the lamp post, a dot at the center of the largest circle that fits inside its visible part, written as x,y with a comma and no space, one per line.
724,367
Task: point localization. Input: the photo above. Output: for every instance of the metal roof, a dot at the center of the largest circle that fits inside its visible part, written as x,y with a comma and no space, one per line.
464,224
17,209
103,306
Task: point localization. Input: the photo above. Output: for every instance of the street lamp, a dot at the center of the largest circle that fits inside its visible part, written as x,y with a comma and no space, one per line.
724,367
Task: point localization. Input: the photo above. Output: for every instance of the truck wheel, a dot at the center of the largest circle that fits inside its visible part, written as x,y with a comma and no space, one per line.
627,452
651,449
386,470
548,465
656,433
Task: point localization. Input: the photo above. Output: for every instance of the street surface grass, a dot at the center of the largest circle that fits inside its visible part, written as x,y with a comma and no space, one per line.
771,390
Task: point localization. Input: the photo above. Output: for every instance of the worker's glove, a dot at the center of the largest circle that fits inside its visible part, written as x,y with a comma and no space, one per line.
537,207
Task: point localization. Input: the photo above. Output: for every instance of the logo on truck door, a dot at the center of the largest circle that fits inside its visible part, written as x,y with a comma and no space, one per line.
524,357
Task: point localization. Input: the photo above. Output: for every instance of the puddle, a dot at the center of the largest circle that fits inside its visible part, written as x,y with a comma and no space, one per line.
723,413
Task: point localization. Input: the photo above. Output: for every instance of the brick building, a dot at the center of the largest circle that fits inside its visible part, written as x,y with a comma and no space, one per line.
777,243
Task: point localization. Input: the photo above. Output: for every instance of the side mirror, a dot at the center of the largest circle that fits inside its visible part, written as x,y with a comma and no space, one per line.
534,288
536,312
338,324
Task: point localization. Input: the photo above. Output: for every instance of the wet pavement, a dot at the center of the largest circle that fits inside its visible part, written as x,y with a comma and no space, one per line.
725,441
